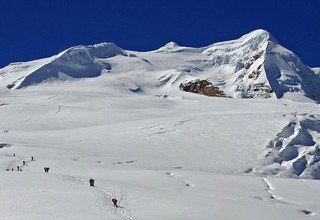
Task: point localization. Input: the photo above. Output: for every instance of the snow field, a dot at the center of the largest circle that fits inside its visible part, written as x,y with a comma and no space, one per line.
174,157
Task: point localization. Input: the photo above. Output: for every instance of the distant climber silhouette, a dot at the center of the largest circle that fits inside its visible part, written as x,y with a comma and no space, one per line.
91,182
115,202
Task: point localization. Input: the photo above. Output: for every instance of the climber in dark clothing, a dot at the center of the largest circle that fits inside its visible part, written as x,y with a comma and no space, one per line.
115,203
91,182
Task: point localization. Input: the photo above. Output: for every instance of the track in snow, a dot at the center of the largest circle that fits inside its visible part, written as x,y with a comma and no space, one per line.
58,110
103,197
13,163
160,129
279,200
186,183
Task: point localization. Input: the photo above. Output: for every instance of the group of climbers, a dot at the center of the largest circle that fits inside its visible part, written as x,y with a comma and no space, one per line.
114,201
19,168
46,170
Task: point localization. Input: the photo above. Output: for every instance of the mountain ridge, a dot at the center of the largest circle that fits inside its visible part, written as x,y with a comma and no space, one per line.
255,65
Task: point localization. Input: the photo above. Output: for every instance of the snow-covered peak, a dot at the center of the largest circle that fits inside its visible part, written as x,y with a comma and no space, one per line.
102,50
255,65
171,45
81,61
259,34
247,43
285,73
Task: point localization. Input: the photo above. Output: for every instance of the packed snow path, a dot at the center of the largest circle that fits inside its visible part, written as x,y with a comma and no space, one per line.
102,197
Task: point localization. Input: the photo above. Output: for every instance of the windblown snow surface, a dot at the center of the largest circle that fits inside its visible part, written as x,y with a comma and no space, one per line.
119,117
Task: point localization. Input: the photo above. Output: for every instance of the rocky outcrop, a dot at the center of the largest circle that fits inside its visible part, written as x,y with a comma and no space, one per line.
201,87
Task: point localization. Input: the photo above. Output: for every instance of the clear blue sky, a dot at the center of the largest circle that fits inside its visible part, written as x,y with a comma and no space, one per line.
33,29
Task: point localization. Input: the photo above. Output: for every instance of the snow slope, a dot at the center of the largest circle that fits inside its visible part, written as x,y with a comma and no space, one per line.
75,62
162,156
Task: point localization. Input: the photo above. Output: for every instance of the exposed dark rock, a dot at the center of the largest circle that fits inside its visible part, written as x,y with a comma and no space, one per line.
201,87
10,86
254,75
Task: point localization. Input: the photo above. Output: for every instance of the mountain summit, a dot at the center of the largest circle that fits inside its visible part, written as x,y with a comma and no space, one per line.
259,66
255,65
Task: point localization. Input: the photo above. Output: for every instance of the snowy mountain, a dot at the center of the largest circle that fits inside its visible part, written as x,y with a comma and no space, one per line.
255,65
259,66
75,62
121,118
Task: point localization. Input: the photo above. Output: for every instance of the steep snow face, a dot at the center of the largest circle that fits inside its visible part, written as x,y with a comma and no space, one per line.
13,74
256,65
239,63
75,62
286,73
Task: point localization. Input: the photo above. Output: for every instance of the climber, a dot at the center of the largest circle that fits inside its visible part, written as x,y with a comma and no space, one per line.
115,203
91,182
